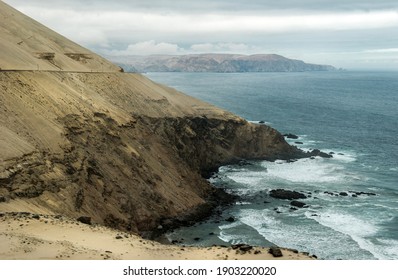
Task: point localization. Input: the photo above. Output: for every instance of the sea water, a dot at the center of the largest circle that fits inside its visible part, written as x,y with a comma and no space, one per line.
353,115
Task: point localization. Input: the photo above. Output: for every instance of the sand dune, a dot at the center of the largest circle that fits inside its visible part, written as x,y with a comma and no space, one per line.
27,236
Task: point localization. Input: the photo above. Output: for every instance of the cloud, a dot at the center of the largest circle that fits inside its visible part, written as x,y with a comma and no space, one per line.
152,47
148,48
390,50
225,6
222,48
297,29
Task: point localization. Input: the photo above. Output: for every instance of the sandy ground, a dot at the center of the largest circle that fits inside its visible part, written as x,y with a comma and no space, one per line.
43,237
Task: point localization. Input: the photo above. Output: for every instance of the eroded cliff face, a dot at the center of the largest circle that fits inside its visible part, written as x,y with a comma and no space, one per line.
117,147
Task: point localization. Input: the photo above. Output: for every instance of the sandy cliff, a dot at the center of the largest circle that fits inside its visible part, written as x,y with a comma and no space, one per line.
80,138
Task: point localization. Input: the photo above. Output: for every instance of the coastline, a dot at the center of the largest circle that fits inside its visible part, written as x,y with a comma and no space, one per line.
26,236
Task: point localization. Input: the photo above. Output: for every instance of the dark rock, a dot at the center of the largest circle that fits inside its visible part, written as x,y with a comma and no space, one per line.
340,154
343,194
354,195
331,153
286,194
262,122
298,204
230,219
290,136
298,142
242,247
257,252
245,248
363,193
318,153
276,252
119,237
211,233
293,208
36,216
196,238
85,220
2,199
266,202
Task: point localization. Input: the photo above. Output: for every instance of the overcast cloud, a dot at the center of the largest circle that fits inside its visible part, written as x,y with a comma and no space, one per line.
349,34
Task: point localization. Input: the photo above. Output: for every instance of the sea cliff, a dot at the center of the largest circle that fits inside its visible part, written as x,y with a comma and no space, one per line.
81,138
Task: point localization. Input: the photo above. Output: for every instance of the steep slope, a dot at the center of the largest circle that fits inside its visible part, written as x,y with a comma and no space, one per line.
114,146
221,63
28,45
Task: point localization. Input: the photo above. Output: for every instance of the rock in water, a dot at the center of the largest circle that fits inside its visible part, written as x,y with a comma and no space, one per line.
298,204
230,219
286,194
290,136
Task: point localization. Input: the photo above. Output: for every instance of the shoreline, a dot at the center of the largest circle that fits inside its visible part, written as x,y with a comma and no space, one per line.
27,236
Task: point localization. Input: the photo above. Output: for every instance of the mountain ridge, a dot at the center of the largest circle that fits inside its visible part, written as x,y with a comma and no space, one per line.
218,63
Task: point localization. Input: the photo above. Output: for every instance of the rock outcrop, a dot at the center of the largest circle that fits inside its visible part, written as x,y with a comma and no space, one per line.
81,139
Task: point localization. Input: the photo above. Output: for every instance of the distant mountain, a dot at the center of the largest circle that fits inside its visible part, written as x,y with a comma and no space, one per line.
222,63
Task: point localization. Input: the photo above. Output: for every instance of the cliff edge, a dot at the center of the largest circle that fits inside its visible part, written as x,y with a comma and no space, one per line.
80,138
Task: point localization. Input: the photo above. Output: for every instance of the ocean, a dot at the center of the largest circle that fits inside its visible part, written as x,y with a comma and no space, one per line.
352,199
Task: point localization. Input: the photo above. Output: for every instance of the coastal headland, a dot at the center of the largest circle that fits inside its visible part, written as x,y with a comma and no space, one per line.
80,139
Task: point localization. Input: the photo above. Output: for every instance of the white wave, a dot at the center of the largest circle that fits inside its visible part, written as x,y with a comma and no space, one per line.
388,248
243,203
302,237
359,230
247,178
344,156
229,226
258,122
306,171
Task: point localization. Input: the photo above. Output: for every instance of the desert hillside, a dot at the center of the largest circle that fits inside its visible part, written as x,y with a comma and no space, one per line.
80,138
28,45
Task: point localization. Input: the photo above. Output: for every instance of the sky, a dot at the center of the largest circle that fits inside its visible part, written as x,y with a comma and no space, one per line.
349,34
